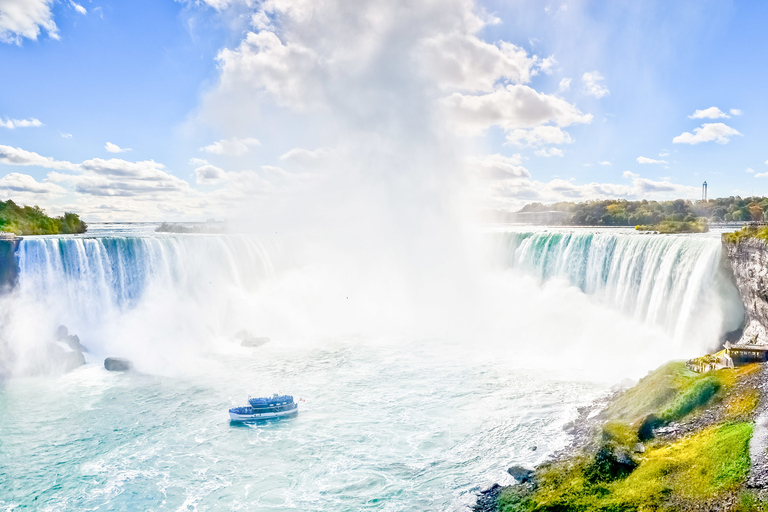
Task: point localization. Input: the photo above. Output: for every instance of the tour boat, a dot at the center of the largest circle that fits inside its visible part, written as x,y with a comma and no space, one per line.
264,408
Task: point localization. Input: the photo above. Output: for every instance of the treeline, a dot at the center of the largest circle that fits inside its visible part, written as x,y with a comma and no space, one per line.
620,212
32,220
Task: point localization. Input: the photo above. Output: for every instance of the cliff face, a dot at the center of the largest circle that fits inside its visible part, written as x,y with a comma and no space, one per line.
9,270
749,262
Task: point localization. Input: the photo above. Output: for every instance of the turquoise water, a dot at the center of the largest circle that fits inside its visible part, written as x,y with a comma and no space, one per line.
387,426
421,383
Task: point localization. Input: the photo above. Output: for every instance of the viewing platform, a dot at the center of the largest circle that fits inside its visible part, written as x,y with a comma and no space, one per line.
746,353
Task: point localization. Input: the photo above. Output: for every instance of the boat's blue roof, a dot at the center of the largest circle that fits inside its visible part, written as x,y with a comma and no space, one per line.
269,400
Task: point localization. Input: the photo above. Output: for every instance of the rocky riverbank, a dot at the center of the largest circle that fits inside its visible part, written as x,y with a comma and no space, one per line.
678,440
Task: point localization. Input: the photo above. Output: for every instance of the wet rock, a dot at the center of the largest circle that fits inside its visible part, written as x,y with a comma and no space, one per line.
249,340
61,333
650,423
749,262
64,358
639,448
521,474
118,364
9,268
486,500
73,341
611,462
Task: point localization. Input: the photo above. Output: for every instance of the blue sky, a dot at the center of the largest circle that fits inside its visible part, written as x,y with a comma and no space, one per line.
220,103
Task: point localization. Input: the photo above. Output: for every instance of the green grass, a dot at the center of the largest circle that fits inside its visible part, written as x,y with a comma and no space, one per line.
31,220
760,233
696,468
698,393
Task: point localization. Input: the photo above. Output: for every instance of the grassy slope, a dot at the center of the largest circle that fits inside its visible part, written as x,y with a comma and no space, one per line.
31,220
703,466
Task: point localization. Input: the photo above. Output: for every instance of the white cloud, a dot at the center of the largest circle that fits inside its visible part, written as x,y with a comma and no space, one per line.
114,148
565,84
304,157
718,132
761,175
98,176
17,156
540,135
79,8
709,113
645,160
208,174
736,112
630,175
591,85
547,152
232,147
24,19
19,183
604,162
303,65
516,193
511,107
20,123
65,135
664,153
498,167
750,170
116,177
462,61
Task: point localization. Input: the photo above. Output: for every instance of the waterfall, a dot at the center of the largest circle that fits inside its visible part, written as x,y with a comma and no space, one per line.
155,297
673,281
90,283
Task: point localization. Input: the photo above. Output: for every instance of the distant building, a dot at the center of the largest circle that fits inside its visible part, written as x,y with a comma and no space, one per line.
704,191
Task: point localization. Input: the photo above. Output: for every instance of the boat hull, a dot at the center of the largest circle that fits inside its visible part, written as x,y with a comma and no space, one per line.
267,415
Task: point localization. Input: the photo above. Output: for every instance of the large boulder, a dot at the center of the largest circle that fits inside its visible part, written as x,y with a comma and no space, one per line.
64,358
611,462
521,474
73,340
118,364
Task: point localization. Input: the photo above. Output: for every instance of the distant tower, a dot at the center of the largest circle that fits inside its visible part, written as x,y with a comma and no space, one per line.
704,191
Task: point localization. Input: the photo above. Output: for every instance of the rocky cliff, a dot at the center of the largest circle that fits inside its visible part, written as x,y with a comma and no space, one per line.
748,259
9,271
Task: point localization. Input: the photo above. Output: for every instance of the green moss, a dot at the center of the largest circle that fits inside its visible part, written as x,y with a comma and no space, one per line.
696,394
742,405
701,466
31,220
620,433
696,468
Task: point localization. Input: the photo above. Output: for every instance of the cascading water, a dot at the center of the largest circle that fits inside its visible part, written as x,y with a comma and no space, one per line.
676,282
102,274
416,397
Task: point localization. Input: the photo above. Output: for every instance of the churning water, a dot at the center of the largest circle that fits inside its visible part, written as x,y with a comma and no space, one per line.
394,418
